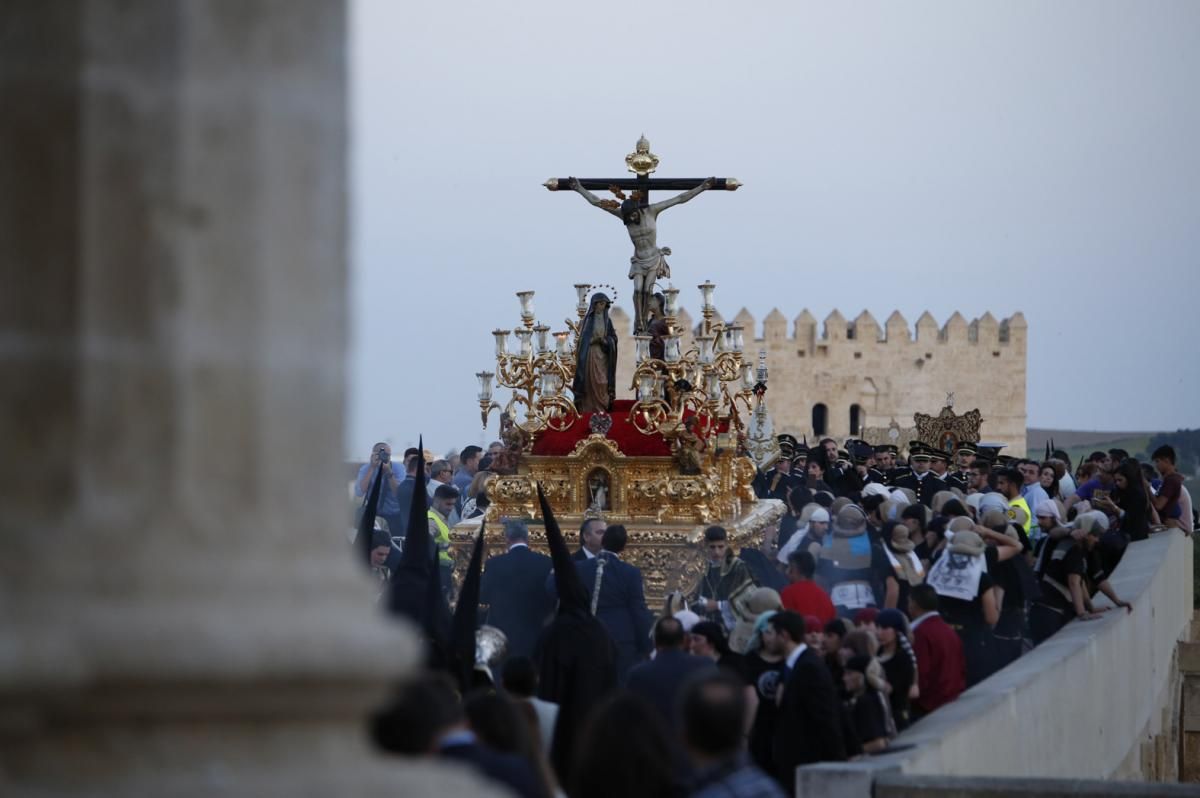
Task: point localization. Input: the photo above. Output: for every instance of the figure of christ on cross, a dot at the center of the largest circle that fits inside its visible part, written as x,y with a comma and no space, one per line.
649,260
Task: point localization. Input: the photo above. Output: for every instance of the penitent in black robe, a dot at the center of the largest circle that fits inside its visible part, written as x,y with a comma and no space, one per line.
576,658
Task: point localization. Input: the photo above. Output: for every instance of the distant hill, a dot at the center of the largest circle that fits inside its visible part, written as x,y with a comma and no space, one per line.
1080,443
1035,438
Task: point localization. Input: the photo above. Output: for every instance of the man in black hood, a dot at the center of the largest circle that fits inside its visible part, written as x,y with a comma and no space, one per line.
575,655
416,587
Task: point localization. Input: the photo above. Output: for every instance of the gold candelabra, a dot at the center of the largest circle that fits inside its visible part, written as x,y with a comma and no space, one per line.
709,380
537,372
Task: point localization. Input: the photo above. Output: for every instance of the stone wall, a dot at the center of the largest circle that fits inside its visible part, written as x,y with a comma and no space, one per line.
889,371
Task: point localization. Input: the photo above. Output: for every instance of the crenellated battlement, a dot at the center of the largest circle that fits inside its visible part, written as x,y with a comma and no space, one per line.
837,375
863,330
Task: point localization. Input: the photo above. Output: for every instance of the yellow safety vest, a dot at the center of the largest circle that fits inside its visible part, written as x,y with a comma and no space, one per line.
442,539
1024,505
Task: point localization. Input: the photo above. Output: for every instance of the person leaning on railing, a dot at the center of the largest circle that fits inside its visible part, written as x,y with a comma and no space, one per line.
1070,571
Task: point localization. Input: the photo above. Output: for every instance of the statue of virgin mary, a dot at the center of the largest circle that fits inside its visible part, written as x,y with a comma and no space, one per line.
595,381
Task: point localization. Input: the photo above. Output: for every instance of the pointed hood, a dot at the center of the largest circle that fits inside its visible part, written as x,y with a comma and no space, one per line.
575,655
462,631
416,589
366,524
417,544
571,594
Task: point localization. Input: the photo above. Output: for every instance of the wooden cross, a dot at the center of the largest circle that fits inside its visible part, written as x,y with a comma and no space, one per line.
642,163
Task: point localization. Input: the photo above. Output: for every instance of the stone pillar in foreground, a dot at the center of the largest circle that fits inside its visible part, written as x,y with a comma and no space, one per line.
178,611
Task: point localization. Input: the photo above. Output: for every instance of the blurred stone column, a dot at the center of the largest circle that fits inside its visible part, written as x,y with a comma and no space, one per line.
179,613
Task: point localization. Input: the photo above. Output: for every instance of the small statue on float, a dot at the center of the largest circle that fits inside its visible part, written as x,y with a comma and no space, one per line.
688,448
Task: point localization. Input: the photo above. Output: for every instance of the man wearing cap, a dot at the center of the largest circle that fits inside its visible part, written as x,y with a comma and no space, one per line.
852,568
868,708
779,480
964,586
1071,571
921,480
957,478
890,463
1014,580
800,460
814,526
939,464
862,454
964,455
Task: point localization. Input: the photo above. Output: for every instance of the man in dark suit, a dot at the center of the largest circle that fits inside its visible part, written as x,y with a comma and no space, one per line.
808,727
941,666
617,599
591,535
513,588
659,680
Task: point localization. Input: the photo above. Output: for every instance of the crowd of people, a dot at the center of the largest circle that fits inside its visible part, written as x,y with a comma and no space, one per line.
887,589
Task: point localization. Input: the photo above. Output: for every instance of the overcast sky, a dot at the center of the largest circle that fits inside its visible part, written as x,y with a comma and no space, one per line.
1041,157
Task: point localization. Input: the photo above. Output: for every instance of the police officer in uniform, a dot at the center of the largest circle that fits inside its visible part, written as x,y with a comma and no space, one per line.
862,454
939,464
877,470
800,461
779,480
920,480
964,455
896,466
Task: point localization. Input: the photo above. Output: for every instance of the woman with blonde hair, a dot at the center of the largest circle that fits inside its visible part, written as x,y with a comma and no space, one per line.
477,490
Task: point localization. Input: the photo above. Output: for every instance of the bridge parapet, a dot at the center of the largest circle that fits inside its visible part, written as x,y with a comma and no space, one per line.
1099,700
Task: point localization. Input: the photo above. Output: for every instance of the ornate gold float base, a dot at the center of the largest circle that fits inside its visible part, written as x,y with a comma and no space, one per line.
670,555
664,510
598,479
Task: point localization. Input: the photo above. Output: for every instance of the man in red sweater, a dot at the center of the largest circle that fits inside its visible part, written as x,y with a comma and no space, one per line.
941,667
804,596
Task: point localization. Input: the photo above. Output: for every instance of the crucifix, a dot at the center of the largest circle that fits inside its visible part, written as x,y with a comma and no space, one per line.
640,217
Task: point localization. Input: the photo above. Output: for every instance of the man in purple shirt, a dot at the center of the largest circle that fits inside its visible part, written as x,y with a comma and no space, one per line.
1103,481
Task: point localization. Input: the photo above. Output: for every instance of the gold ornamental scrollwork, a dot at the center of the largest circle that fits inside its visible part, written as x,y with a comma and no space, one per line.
948,429
635,488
